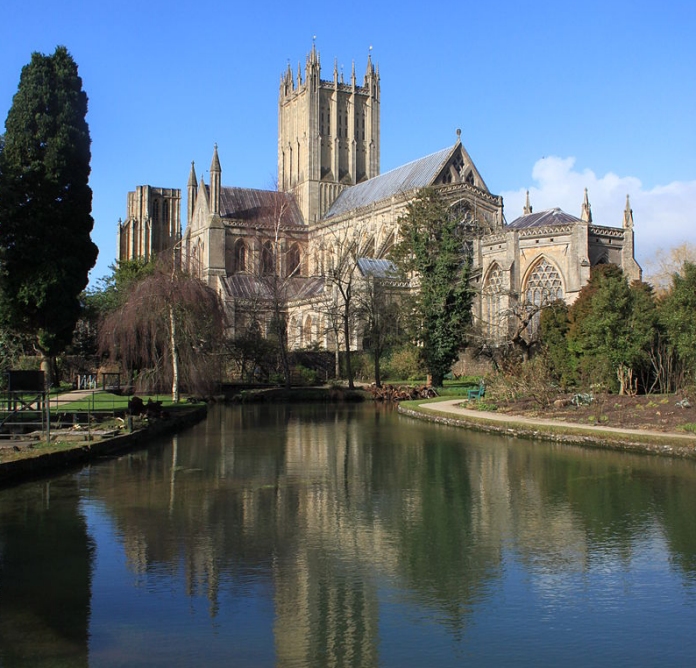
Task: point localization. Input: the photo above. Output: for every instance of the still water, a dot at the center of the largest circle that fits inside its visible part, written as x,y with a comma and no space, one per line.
351,536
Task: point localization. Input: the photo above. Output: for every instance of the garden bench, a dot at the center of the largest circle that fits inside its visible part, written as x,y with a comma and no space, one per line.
478,392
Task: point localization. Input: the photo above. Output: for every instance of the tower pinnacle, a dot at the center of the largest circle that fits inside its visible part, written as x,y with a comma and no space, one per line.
586,214
527,206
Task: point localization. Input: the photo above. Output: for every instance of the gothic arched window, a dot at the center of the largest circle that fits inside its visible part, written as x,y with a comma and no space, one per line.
293,261
544,286
267,259
240,256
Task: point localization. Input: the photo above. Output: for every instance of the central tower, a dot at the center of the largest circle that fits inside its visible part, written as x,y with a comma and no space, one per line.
328,134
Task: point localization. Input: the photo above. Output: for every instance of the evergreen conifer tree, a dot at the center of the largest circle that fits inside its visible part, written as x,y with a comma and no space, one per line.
433,246
45,203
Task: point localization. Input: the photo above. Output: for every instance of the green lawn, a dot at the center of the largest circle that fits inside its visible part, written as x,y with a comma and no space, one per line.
103,402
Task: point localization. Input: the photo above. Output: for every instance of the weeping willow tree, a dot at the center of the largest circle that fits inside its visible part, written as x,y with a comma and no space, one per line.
170,328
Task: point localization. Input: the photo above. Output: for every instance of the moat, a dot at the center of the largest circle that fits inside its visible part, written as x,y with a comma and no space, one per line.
350,536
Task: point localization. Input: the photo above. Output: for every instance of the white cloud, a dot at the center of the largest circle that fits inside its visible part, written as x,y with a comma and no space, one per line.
664,216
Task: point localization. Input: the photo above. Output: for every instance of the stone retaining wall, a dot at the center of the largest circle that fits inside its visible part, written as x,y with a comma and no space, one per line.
559,435
52,462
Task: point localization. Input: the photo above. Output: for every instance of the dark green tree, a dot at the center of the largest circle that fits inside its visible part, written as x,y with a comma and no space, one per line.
45,204
433,248
677,313
553,332
609,335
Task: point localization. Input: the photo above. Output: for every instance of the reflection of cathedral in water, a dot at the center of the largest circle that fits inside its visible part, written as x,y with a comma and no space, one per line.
329,511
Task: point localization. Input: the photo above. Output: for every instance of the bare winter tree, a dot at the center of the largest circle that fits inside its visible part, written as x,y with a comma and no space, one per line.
379,306
511,331
171,325
343,283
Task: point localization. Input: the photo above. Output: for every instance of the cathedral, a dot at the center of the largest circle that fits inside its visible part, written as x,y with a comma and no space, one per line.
330,191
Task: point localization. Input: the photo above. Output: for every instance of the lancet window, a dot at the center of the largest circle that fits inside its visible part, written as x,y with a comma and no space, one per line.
493,316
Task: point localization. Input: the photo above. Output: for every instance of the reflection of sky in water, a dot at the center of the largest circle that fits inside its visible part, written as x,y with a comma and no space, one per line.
147,619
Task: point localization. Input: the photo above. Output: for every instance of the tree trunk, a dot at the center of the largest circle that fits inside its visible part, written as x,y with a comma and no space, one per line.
378,375
175,355
283,346
349,369
437,379
47,368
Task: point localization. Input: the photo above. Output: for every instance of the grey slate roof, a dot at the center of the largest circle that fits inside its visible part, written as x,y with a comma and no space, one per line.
417,174
244,286
260,207
378,268
548,218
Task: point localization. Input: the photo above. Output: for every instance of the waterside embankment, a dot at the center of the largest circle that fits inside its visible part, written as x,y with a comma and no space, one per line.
34,463
450,412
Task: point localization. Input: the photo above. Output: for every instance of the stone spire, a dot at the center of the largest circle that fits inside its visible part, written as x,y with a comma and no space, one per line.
586,214
527,206
628,215
215,182
370,72
192,189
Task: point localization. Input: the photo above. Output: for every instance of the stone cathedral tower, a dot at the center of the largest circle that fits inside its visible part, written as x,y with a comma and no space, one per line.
328,134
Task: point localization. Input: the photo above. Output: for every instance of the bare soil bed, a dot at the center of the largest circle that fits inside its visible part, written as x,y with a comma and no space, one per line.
654,412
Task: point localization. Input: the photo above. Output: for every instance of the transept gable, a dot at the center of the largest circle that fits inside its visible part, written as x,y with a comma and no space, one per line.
460,168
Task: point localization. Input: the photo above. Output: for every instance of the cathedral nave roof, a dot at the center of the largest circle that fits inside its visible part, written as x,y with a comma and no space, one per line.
260,208
417,174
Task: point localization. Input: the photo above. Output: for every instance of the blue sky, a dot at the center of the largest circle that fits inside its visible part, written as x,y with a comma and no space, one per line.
550,96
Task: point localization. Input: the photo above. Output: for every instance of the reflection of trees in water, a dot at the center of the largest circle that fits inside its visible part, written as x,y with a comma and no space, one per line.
320,503
45,576
615,501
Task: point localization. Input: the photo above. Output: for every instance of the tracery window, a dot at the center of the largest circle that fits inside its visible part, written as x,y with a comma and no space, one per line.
493,316
544,286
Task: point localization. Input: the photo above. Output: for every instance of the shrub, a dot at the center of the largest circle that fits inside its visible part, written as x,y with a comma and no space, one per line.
404,363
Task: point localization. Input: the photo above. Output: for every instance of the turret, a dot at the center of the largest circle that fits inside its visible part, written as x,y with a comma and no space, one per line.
586,214
192,191
527,206
628,215
215,183
628,261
